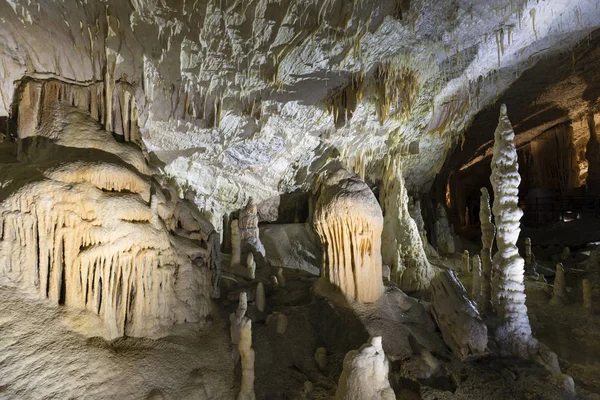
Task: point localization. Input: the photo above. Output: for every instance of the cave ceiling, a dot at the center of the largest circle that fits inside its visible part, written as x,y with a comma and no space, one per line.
242,98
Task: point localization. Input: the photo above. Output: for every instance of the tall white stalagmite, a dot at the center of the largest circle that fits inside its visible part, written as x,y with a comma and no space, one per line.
514,332
348,221
488,232
402,243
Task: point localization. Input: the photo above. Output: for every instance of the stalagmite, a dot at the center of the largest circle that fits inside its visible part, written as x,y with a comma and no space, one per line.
443,232
488,232
348,221
402,247
236,246
235,319
514,332
530,264
260,297
466,261
321,358
215,264
587,295
476,267
280,321
247,356
365,374
249,231
559,293
274,281
457,317
386,273
251,266
281,278
414,209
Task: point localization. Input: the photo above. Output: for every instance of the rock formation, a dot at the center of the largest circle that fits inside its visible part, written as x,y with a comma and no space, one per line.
414,209
587,295
235,320
560,291
236,245
247,357
260,298
457,317
215,264
443,233
488,232
321,358
85,226
250,266
365,374
476,269
466,261
281,278
249,232
402,248
514,332
348,221
530,263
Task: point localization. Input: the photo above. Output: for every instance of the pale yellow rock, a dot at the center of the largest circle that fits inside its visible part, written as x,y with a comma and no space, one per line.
247,356
348,220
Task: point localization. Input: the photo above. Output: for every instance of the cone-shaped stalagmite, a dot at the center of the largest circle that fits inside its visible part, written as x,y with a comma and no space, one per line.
348,220
403,248
514,332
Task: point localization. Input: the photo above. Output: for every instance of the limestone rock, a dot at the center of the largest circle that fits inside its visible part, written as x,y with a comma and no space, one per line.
281,278
403,249
348,220
443,232
251,266
247,357
260,297
559,293
321,358
365,374
488,232
280,321
476,290
235,320
466,261
514,333
587,295
457,317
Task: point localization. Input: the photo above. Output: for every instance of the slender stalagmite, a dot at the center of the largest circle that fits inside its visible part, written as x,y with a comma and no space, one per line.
514,332
466,261
559,293
587,295
476,290
488,231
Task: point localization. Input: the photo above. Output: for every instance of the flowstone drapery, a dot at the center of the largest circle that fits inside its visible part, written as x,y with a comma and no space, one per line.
402,247
348,221
514,332
85,226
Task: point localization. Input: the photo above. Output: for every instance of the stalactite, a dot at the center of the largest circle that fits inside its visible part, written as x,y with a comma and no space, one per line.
37,99
348,221
88,235
514,332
